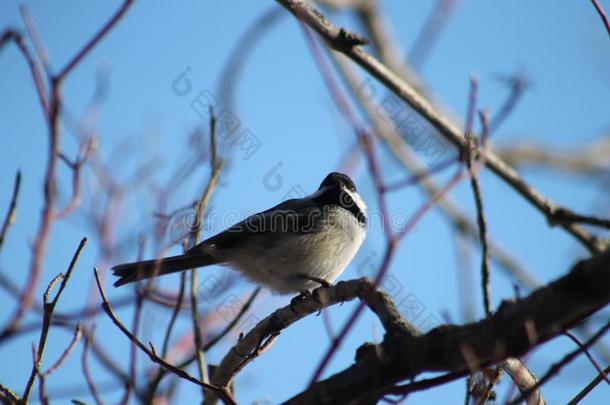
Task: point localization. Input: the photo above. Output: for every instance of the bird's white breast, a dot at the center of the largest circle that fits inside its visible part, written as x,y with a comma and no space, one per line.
322,254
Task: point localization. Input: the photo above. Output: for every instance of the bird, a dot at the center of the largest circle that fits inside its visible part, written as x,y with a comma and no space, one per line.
293,247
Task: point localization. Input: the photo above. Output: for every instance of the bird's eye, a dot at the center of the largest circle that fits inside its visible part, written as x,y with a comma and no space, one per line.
345,200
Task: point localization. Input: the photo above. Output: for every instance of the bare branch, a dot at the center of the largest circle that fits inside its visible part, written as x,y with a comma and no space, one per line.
75,338
8,395
585,391
16,36
602,14
49,307
512,330
85,367
470,148
52,110
221,392
9,219
524,380
250,345
76,59
555,368
344,42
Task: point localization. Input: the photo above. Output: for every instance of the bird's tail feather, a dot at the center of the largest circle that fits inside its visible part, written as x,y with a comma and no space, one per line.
130,272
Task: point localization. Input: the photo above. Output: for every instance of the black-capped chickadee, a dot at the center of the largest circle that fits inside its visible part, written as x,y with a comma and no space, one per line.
295,246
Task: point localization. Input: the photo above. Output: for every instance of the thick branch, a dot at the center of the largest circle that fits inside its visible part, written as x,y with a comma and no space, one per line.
249,346
513,330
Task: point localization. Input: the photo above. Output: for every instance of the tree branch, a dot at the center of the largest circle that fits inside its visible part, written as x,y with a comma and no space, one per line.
512,330
249,346
151,353
349,44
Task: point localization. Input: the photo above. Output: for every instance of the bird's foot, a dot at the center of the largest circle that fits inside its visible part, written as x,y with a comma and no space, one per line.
315,294
321,281
299,298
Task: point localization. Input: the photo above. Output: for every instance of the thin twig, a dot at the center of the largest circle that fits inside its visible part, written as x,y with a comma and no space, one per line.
469,149
602,14
76,59
589,356
396,145
366,143
585,391
49,307
34,70
33,33
9,394
430,32
174,315
555,368
154,383
75,338
336,38
85,368
151,353
52,110
518,83
9,219
200,354
564,215
487,394
215,167
86,150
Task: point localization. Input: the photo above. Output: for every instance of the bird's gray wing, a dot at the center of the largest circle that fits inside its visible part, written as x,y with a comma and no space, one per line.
265,228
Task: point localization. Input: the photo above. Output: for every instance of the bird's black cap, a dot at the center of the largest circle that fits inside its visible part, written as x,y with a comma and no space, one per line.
337,180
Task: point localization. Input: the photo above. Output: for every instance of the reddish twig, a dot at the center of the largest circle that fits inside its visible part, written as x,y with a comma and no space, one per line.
601,372
85,367
340,40
555,368
602,14
422,174
75,338
517,83
85,152
430,32
212,342
135,326
47,213
33,33
34,71
366,144
174,316
76,59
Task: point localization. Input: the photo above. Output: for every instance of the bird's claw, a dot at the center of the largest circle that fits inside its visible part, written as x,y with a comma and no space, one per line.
299,298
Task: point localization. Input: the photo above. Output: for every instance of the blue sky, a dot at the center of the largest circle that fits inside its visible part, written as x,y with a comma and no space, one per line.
281,100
